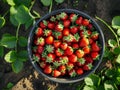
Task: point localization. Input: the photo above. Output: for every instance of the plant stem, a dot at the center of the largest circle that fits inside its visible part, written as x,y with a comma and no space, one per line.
32,3
109,28
18,28
6,13
50,9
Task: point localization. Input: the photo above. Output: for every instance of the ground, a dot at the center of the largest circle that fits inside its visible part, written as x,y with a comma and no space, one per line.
28,78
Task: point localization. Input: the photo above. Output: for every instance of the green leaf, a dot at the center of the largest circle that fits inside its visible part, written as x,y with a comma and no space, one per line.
118,32
59,1
1,51
10,85
116,22
11,56
110,73
118,59
17,66
92,80
10,2
8,41
29,23
116,50
107,51
23,55
86,87
22,41
112,43
2,21
109,85
46,2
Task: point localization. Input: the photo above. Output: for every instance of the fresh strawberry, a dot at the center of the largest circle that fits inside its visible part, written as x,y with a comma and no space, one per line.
69,51
65,31
90,26
39,32
62,69
79,53
87,66
76,37
85,22
70,66
64,46
63,16
49,40
74,29
73,58
84,42
79,71
59,27
83,33
42,64
48,69
57,35
40,41
73,17
95,35
95,47
43,24
56,73
72,73
90,40
50,57
79,20
68,38
94,54
36,57
51,25
66,23
64,60
80,61
75,45
88,59
57,43
86,49
47,32
59,52
40,49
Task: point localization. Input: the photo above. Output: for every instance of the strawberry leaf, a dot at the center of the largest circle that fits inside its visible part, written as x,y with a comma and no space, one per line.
46,2
112,43
116,22
22,41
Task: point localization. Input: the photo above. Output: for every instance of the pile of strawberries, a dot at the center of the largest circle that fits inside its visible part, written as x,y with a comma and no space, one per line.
66,44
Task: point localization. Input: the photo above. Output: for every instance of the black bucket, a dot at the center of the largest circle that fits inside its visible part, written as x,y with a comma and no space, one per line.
66,79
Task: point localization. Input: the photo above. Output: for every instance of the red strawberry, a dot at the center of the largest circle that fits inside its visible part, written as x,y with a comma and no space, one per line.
43,24
69,51
57,35
47,32
49,40
68,38
76,37
79,53
42,64
84,42
74,29
36,57
63,16
88,59
59,52
62,69
73,58
51,25
59,27
87,66
72,73
39,32
40,41
79,71
90,40
73,17
65,31
95,35
95,47
64,46
66,23
57,43
86,49
70,66
64,60
75,45
94,54
85,22
90,26
80,61
56,73
40,49
48,69
79,20
50,57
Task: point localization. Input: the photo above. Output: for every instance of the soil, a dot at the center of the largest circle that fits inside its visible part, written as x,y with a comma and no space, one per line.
28,78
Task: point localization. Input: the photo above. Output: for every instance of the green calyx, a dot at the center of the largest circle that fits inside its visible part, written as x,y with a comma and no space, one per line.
40,40
81,61
49,59
46,32
64,60
49,48
77,37
68,38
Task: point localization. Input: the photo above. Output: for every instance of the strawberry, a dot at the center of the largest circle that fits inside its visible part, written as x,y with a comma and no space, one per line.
94,54
85,22
83,33
48,69
42,64
90,40
66,23
39,32
62,69
56,73
59,27
57,34
79,53
47,32
73,58
64,60
79,20
80,61
40,49
40,41
43,24
59,52
72,73
86,49
49,40
90,26
70,66
73,17
57,43
50,57
65,31
51,25
88,59
95,35
64,46
87,66
76,37
83,42
36,57
95,47
75,45
68,38
63,16
79,71
74,29
69,51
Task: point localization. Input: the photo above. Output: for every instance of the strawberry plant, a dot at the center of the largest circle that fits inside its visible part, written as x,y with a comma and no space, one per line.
20,15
